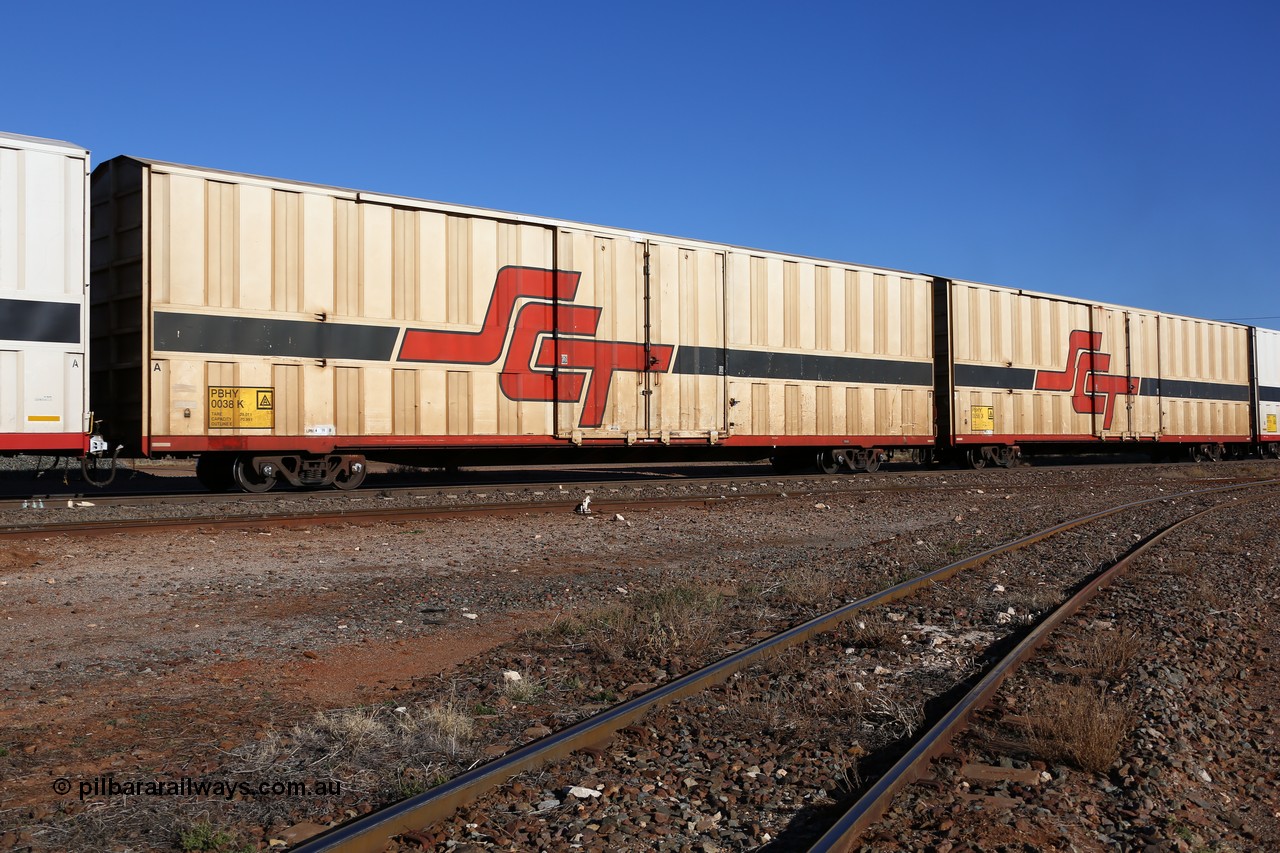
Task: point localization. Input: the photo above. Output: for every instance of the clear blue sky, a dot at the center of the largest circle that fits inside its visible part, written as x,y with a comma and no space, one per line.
1122,151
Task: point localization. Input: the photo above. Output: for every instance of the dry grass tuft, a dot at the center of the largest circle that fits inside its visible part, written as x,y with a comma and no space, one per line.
685,621
521,689
1109,654
374,750
870,633
1080,725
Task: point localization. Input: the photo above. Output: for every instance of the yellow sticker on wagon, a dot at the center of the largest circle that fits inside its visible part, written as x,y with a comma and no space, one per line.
231,407
982,418
1271,423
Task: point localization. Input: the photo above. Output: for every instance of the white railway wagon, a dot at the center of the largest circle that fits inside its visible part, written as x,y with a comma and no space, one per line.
1266,360
287,330
43,294
1032,369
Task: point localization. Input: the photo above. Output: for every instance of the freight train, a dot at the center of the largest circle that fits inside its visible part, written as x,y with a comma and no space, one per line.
289,332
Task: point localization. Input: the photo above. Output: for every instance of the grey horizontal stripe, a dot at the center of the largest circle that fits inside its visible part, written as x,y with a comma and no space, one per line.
42,322
1192,390
987,376
751,364
1269,394
284,338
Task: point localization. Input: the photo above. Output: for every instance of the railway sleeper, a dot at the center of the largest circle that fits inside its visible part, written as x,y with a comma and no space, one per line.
223,471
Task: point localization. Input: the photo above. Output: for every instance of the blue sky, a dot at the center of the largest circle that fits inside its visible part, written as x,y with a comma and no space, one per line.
1121,151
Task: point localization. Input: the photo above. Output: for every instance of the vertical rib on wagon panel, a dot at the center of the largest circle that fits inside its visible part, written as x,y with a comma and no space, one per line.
1036,370
285,330
43,291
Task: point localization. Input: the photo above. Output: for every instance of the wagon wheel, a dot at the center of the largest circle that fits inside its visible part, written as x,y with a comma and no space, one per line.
351,477
827,462
869,461
1196,452
1213,452
246,476
975,458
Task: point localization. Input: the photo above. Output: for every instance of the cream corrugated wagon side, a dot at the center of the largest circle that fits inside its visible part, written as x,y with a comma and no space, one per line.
288,331
1033,371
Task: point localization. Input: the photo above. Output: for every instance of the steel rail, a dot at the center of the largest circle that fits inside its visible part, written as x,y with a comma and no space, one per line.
381,514
369,833
365,514
862,815
811,483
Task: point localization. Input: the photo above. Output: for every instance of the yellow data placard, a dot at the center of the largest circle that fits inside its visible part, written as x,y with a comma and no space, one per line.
982,418
232,407
1271,423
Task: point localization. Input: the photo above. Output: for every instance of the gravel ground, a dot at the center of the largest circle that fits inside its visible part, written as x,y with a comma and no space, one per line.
209,654
1196,764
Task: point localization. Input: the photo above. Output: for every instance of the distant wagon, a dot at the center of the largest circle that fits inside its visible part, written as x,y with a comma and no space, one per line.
44,294
1033,371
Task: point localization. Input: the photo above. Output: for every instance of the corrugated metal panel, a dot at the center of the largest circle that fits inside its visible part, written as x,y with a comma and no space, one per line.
1044,366
43,296
843,331
1199,361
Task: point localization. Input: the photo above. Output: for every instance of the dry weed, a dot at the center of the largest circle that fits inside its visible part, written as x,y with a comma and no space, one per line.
520,688
1079,724
1109,654
1033,601
367,749
870,633
685,621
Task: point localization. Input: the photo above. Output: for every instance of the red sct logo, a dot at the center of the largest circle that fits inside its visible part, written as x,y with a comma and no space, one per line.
553,352
1094,390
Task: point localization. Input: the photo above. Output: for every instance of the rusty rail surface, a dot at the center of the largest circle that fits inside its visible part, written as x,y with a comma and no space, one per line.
846,831
370,833
354,516
359,515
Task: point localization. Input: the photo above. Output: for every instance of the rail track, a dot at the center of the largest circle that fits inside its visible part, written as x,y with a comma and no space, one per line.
175,487
35,517
411,815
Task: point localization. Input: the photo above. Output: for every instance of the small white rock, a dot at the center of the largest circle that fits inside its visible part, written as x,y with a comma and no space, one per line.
470,616
997,588
583,793
618,517
510,676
